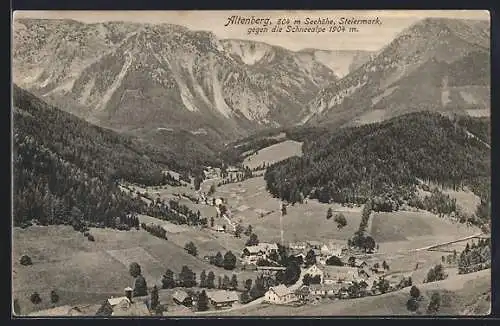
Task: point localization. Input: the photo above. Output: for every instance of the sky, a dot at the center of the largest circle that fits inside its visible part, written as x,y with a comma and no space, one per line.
369,37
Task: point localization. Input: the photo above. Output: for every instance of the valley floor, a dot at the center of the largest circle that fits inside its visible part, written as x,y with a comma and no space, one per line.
90,272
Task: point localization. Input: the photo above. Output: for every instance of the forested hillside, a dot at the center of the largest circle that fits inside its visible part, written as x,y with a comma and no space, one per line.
235,152
386,159
65,167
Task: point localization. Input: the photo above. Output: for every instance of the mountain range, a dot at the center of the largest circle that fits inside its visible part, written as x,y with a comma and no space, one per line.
436,64
134,77
161,81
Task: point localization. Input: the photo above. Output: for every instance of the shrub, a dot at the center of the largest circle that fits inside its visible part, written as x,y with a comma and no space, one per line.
134,269
54,297
35,298
334,261
415,292
26,260
434,304
412,304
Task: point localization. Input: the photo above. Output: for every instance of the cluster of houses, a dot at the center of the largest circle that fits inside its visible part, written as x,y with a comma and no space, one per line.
334,281
252,254
219,299
322,251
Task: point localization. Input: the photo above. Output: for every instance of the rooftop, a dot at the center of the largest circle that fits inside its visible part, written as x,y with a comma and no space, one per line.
223,296
131,309
115,301
280,290
325,287
180,295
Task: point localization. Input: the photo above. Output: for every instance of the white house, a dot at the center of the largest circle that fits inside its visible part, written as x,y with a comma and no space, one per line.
332,250
313,271
279,295
297,246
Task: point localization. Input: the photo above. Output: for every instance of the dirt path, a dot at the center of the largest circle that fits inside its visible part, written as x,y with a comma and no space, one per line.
446,243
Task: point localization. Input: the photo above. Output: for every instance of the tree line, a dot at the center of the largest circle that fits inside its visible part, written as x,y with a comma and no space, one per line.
475,257
354,165
61,162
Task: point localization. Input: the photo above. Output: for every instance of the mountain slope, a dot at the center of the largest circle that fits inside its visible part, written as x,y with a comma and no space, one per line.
436,64
384,159
130,76
342,62
62,162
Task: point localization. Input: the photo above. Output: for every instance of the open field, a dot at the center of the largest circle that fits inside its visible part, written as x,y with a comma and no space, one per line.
207,242
94,271
274,153
248,199
458,293
403,230
403,225
466,199
89,272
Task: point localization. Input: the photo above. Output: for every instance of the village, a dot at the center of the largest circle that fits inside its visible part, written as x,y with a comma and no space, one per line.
308,272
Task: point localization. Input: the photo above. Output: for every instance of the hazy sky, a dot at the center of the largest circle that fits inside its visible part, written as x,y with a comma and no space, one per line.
369,37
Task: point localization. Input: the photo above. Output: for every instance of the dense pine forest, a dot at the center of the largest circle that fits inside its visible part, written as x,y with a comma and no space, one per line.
67,169
387,159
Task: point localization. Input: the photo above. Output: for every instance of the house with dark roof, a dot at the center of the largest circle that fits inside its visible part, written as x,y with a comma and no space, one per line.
182,298
251,254
303,292
123,306
324,290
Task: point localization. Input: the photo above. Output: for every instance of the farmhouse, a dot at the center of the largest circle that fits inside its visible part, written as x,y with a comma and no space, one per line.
280,295
298,246
182,298
128,308
252,253
376,270
303,292
270,270
333,274
332,250
313,271
359,263
124,306
339,274
222,299
324,290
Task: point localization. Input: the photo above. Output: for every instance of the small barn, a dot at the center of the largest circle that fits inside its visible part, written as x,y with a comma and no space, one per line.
222,299
182,298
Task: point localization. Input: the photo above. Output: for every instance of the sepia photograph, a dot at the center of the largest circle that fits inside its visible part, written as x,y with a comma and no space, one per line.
251,163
